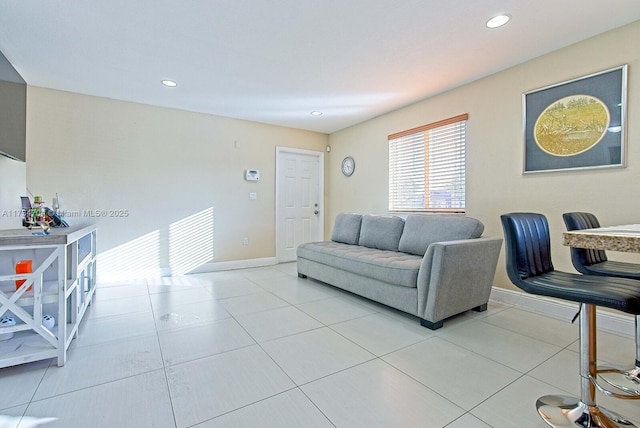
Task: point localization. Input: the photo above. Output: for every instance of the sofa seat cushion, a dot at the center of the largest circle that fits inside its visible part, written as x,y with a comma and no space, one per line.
388,266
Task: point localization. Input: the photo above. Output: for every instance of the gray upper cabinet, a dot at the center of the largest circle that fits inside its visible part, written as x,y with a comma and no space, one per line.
13,111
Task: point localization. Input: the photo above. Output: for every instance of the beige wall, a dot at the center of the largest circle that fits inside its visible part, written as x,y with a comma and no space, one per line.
495,183
164,165
161,165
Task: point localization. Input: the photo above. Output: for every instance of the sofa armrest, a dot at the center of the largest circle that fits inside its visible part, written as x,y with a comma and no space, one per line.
456,276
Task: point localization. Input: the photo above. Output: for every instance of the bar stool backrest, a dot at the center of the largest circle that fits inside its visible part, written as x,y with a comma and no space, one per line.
528,247
581,257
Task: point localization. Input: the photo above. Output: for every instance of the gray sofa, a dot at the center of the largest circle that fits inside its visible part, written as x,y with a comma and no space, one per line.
433,266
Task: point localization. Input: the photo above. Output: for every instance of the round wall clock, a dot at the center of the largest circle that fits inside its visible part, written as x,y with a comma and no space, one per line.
348,166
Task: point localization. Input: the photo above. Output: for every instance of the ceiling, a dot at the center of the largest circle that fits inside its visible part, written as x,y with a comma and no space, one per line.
276,61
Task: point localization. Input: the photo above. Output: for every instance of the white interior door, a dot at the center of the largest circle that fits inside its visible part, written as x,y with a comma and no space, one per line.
299,212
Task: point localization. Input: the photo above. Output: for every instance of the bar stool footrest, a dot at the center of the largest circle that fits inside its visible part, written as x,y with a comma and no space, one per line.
626,382
561,411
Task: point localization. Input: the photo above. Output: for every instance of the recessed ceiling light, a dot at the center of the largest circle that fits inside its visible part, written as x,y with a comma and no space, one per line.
498,21
316,113
169,83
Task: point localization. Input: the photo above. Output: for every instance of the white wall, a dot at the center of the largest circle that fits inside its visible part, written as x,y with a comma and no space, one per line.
495,183
163,167
13,182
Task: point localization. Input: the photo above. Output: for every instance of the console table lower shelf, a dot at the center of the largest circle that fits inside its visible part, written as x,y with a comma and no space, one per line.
61,284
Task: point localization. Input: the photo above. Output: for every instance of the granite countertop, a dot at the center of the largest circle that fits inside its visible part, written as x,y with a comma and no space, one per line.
58,235
624,238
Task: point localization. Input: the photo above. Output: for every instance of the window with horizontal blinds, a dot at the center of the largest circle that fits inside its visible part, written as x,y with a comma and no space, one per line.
427,167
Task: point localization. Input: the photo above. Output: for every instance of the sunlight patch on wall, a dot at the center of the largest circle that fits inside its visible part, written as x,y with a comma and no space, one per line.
191,242
139,258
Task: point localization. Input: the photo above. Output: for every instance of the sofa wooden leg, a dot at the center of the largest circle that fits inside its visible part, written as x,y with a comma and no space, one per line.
301,275
480,308
431,325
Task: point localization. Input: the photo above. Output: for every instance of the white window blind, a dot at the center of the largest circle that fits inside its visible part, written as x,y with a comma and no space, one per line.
427,167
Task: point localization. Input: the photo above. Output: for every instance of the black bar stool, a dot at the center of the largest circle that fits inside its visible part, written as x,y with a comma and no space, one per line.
529,267
595,262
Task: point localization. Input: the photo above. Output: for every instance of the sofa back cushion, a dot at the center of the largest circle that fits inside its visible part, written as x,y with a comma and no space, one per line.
381,232
347,228
421,230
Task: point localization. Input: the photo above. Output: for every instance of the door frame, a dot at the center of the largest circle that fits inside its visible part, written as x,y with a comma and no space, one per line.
280,150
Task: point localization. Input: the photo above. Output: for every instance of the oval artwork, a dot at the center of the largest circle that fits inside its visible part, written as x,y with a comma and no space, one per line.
571,125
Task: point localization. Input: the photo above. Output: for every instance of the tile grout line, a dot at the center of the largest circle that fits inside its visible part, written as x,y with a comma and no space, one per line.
164,366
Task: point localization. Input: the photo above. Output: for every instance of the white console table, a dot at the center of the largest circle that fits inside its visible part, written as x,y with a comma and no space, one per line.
62,284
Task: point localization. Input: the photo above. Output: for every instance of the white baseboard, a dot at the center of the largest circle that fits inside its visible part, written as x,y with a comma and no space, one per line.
621,324
234,264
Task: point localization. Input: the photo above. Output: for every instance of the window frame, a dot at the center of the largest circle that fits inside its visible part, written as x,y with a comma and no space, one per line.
424,129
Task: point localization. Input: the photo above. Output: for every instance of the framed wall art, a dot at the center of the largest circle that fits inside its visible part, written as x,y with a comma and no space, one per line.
576,124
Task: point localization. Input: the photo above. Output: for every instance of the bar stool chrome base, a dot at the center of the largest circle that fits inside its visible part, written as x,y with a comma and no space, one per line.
561,411
627,381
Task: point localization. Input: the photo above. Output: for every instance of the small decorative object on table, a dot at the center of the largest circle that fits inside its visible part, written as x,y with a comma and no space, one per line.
39,216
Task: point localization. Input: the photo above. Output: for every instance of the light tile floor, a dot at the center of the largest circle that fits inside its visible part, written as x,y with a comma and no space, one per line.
261,347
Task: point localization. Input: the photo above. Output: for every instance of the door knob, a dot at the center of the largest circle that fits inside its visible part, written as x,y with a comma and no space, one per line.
316,212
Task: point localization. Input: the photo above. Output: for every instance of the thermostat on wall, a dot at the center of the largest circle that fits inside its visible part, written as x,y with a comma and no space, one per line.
252,175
